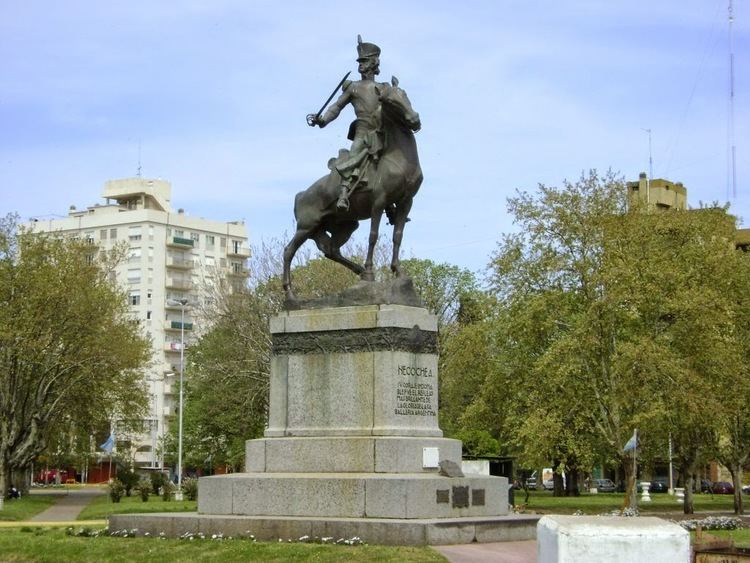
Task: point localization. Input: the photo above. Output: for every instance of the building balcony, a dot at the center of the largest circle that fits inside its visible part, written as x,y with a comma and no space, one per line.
172,347
180,242
177,325
240,251
179,263
238,272
177,283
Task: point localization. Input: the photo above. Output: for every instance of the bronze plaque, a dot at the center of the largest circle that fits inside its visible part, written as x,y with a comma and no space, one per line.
443,496
461,497
477,497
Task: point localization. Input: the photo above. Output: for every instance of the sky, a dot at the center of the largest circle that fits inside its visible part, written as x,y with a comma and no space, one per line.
212,96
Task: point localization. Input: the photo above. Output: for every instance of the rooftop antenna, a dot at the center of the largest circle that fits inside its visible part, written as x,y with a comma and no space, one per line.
650,167
138,172
732,169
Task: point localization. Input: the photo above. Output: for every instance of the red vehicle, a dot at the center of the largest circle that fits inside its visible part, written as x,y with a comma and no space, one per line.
722,488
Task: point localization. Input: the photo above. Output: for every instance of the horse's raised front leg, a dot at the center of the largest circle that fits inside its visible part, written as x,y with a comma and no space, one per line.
377,215
401,217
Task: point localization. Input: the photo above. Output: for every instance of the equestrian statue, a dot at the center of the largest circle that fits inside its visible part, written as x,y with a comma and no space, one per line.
378,174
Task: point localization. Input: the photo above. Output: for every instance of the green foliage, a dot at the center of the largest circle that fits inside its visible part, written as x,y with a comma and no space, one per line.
157,479
129,479
71,355
167,490
478,443
116,490
143,488
190,488
442,287
604,320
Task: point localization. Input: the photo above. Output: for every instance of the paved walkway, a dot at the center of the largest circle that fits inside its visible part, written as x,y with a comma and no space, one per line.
500,552
69,506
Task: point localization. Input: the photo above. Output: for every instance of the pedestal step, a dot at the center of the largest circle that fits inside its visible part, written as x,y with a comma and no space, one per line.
445,531
353,495
349,454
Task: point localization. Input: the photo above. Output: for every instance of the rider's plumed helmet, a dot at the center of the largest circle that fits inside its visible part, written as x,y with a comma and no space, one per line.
366,50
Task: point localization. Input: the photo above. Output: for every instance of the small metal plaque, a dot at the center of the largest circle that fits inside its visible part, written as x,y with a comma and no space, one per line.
477,497
443,496
461,497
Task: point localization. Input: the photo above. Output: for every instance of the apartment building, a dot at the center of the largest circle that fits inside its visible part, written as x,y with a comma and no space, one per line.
171,257
657,193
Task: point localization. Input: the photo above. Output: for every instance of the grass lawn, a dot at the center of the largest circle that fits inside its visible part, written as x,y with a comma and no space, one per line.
25,507
102,506
542,502
741,537
47,544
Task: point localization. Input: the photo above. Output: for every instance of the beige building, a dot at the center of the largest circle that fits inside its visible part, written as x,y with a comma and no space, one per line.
657,193
171,257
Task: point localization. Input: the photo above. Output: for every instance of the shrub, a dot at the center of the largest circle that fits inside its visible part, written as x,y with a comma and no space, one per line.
116,490
190,488
157,480
144,489
166,490
129,480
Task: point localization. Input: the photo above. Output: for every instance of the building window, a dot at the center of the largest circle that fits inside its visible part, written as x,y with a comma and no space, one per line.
113,234
134,298
195,236
210,241
135,254
237,267
179,233
134,233
134,275
103,234
148,314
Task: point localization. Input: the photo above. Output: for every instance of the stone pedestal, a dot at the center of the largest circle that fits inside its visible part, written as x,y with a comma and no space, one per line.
592,539
353,437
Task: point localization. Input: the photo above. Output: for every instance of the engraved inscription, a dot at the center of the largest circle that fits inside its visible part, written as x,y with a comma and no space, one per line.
414,398
442,496
477,497
461,497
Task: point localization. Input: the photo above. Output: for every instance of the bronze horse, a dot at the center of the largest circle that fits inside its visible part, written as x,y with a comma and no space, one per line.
393,182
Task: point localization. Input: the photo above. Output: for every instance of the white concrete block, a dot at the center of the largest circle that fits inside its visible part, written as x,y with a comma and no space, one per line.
594,539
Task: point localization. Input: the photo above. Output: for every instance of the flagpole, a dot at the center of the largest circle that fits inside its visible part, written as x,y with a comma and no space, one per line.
635,470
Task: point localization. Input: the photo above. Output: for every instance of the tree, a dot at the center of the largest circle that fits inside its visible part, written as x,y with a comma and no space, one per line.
615,320
682,288
68,351
442,287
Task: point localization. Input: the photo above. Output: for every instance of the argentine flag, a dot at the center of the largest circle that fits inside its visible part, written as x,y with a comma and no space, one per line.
632,443
109,445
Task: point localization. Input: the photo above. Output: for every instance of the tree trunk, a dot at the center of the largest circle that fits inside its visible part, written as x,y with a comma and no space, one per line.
687,506
557,481
572,488
736,472
631,490
4,474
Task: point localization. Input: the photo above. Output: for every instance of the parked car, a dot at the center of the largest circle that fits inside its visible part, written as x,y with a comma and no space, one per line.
706,485
746,489
604,485
659,485
548,485
722,488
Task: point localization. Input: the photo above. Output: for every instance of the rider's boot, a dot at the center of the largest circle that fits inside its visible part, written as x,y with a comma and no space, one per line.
343,201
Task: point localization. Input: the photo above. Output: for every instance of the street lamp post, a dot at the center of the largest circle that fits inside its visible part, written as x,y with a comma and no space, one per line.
182,303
